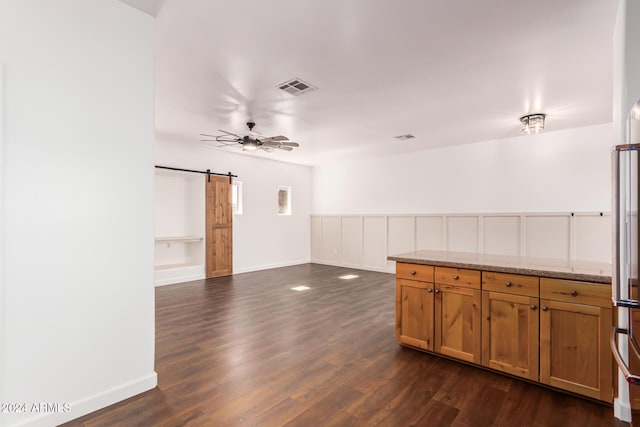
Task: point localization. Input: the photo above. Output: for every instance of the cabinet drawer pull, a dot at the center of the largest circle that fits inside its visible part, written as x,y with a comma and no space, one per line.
456,277
413,273
533,307
574,293
429,290
437,291
508,284
545,308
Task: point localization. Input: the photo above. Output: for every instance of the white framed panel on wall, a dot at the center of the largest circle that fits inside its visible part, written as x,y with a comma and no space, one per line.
429,233
501,235
400,234
593,237
374,237
547,236
351,240
330,238
462,233
316,237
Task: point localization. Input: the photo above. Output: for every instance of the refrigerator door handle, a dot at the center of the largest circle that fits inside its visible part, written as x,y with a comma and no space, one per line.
632,379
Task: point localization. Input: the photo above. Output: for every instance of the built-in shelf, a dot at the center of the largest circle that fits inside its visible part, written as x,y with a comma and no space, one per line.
179,265
178,239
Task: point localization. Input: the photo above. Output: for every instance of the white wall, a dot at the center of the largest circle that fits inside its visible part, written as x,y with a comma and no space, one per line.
559,171
78,306
261,238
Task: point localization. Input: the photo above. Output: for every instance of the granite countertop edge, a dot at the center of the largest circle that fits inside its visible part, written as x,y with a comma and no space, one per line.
542,272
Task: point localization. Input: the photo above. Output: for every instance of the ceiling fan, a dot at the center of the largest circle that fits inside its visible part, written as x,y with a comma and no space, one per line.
252,141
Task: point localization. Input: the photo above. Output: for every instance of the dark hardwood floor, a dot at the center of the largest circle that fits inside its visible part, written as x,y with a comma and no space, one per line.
247,350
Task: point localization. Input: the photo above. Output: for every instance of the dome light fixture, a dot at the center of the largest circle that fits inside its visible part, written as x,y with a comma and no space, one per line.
532,123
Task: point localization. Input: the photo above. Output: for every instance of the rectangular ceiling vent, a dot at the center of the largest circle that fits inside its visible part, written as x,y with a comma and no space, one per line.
296,87
404,137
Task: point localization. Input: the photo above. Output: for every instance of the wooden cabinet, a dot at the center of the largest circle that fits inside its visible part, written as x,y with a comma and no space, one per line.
548,330
457,313
415,305
510,328
414,313
575,324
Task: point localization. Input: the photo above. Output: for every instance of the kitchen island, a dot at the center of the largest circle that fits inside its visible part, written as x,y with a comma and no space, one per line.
543,320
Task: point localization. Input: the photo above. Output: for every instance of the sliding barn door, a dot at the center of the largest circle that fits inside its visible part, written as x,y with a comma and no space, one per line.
219,227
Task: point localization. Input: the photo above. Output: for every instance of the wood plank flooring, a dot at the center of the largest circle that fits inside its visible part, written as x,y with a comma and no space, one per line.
247,350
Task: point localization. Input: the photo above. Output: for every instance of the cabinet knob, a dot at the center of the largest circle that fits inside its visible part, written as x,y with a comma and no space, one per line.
456,277
429,290
508,284
437,291
413,273
574,293
545,308
533,307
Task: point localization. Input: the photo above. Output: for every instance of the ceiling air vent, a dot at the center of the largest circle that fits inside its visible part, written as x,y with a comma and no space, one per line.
404,137
296,87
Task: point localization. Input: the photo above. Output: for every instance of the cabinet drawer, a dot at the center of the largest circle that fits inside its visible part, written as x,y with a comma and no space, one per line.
510,283
423,273
458,277
577,292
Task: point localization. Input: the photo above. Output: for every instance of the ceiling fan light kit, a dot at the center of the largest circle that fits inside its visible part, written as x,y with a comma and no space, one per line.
532,123
253,141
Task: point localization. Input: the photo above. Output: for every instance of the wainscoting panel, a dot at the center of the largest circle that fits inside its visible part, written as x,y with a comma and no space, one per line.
366,241
400,234
429,233
374,243
351,240
593,237
547,236
462,233
331,238
316,237
501,235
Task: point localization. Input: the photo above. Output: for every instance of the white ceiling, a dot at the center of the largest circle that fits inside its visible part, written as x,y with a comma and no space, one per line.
447,71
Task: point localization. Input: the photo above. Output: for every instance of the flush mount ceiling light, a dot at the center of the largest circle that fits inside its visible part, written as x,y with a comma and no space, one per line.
532,123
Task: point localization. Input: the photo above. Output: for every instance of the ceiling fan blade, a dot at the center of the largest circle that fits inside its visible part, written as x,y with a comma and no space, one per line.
282,147
223,138
290,144
229,133
274,138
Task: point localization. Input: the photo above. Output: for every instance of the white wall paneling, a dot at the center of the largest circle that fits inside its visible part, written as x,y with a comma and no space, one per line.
580,236
400,234
430,232
547,236
331,238
501,234
374,243
316,237
462,233
351,240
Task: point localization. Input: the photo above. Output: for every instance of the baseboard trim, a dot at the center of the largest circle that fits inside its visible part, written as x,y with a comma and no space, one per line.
178,275
270,266
622,410
356,266
90,404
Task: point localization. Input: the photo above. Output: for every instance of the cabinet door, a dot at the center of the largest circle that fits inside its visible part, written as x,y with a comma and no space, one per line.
457,322
574,348
510,333
414,313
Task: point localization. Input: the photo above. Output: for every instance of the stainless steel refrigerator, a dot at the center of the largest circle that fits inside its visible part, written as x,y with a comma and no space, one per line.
625,338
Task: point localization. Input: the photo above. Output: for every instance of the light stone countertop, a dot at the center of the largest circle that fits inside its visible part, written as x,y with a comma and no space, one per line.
586,271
